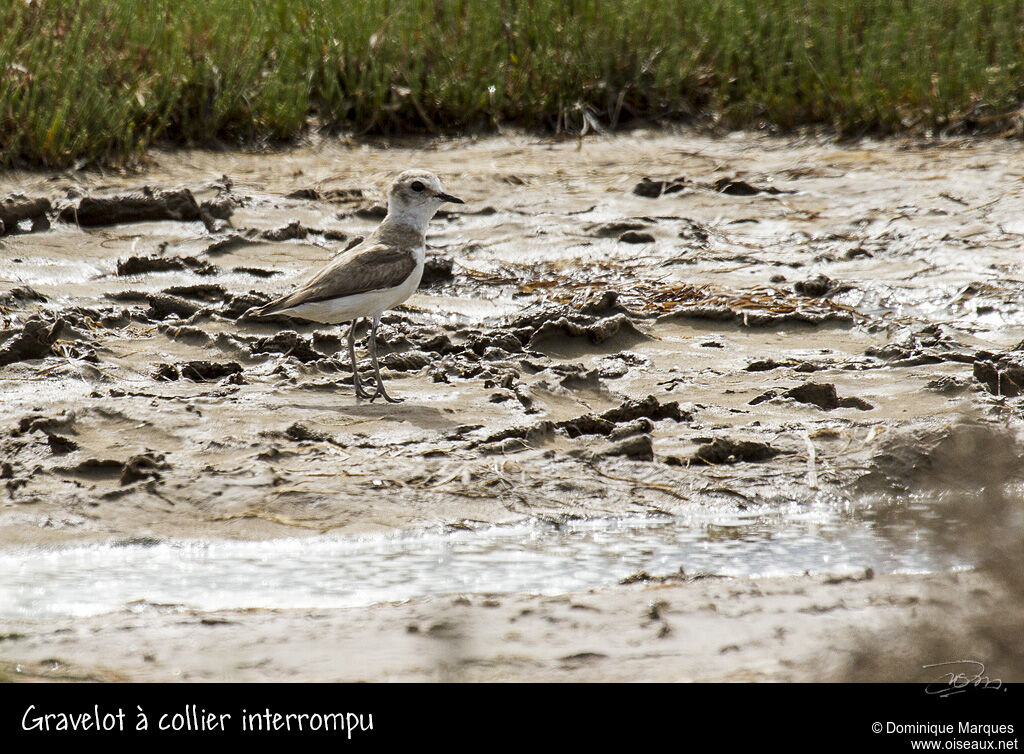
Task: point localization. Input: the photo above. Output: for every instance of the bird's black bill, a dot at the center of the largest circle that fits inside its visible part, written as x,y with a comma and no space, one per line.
449,198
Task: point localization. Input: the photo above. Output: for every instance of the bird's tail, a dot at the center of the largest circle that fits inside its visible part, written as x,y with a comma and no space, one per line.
273,307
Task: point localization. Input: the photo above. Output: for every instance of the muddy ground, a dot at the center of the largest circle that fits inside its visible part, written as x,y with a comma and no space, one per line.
636,325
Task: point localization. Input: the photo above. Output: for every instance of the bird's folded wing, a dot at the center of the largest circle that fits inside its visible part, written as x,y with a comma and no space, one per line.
376,267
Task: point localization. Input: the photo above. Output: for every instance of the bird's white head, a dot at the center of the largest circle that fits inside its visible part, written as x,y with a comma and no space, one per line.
415,196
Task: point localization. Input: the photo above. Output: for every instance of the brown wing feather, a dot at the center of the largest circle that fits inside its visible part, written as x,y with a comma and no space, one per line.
359,270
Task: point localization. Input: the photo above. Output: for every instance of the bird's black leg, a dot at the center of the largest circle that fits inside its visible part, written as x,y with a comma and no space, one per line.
376,368
360,393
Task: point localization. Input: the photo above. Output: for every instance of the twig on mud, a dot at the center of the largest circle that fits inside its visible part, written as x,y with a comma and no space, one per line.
474,495
640,484
310,490
348,424
267,517
812,472
447,479
729,491
849,441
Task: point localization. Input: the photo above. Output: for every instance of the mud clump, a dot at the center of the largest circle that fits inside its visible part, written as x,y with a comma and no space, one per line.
142,466
289,343
342,196
585,425
1004,377
603,304
437,270
373,212
989,376
648,408
185,333
638,448
326,342
629,413
301,433
636,237
407,361
197,371
946,385
764,365
238,305
819,286
618,327
54,428
142,265
144,206
64,422
211,293
256,272
582,381
162,306
307,194
232,242
929,345
16,210
615,229
290,232
822,395
480,343
642,425
652,189
36,341
94,467
517,438
737,187
723,450
20,296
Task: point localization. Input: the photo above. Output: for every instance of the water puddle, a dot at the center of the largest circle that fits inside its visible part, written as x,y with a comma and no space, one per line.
332,572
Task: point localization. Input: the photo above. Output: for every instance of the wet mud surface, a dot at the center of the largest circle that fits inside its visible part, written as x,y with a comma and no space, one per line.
553,365
632,326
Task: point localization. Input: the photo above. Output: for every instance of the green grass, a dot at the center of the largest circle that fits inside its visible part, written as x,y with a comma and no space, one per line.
99,80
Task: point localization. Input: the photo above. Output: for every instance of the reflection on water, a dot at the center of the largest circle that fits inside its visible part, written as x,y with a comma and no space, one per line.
536,557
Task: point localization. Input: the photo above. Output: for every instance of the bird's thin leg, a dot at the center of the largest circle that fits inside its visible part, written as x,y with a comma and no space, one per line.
360,393
376,368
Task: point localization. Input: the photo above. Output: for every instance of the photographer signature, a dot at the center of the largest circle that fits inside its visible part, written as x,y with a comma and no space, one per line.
971,673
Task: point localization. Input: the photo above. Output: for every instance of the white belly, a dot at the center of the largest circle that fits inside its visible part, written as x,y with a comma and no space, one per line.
369,304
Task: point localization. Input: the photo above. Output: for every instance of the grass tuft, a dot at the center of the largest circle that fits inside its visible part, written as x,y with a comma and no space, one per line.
85,81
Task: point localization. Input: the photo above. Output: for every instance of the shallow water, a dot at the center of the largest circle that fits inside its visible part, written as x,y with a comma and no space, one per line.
331,572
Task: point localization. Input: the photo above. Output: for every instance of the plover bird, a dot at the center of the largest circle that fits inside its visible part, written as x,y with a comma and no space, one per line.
378,274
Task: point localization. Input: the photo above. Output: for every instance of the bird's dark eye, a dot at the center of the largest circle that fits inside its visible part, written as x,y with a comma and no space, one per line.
416,186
